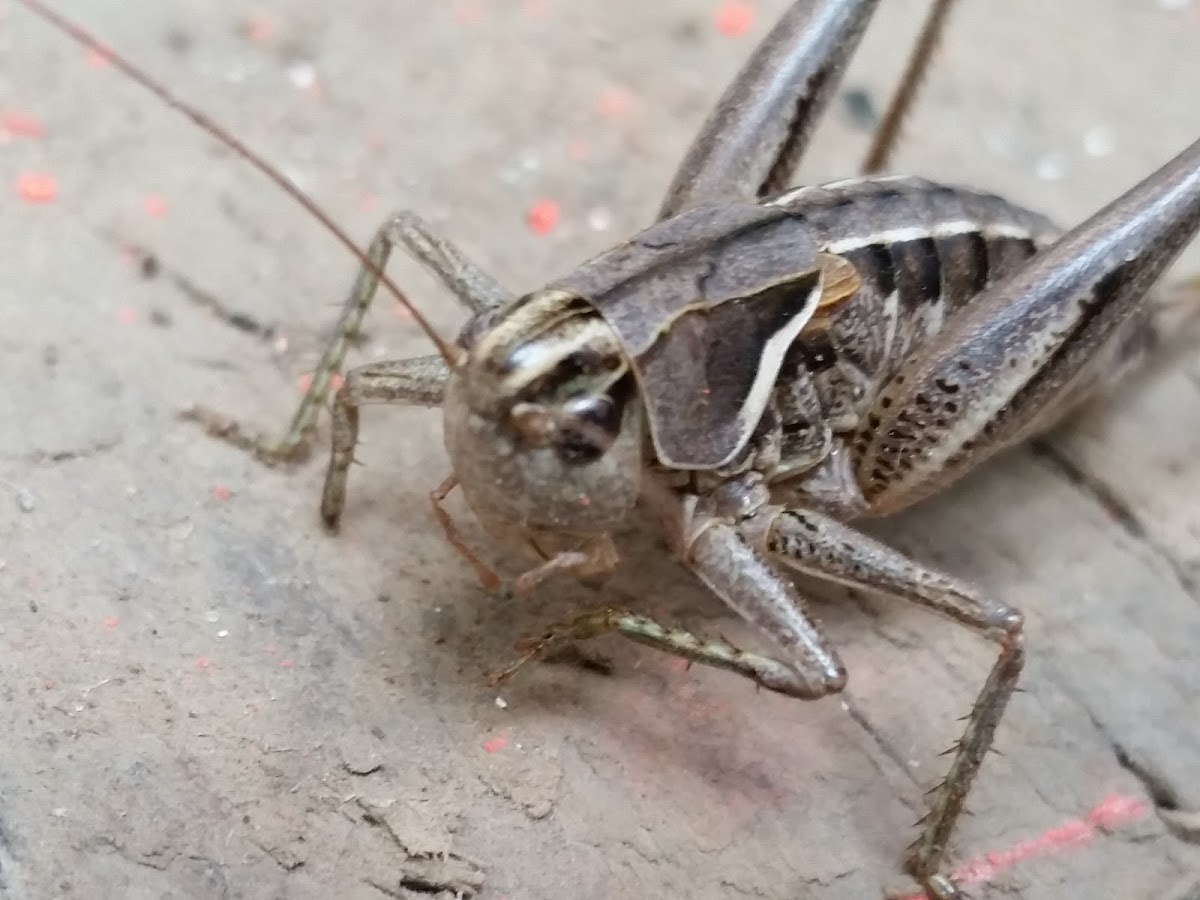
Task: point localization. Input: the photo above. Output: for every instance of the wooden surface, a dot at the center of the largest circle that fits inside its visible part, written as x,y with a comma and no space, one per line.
204,695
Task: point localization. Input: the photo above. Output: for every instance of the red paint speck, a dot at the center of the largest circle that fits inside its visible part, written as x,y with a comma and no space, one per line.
735,17
260,29
585,500
37,187
99,59
221,492
155,206
615,102
495,744
203,663
126,315
578,150
111,623
15,124
543,216
286,664
336,380
468,12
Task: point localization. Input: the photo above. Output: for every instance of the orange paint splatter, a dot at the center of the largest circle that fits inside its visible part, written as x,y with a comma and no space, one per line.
155,206
111,623
15,124
1110,813
127,315
735,17
37,187
543,216
221,493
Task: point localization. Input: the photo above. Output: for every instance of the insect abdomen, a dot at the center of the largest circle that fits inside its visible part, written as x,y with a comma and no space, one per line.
923,251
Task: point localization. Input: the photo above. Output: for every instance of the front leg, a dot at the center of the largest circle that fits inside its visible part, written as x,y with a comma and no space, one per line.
469,284
413,382
472,286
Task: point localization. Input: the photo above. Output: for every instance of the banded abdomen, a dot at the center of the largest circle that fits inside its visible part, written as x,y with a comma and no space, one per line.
923,251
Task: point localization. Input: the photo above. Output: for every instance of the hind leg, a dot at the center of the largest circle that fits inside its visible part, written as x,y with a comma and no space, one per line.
753,140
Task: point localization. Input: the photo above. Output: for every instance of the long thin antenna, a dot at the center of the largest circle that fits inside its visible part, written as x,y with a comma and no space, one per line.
447,351
915,71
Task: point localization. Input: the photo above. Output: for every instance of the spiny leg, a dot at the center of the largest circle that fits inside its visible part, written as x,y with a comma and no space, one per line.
475,288
820,546
414,382
884,141
755,137
741,576
762,670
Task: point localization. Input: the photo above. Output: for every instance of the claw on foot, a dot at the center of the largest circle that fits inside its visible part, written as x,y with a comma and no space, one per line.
229,430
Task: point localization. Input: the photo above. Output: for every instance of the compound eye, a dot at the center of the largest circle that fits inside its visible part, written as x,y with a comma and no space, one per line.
587,427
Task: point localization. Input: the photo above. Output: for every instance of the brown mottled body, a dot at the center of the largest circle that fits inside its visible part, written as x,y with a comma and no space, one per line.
760,369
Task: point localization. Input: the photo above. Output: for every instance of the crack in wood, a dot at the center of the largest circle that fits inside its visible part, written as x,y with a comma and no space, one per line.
1117,509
